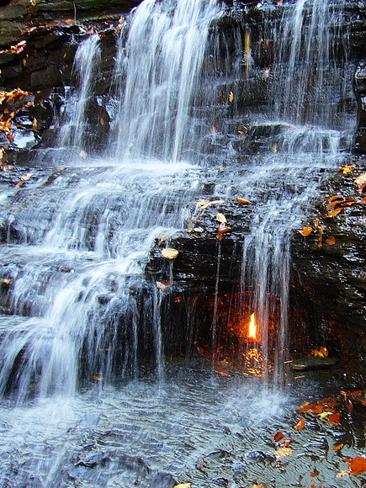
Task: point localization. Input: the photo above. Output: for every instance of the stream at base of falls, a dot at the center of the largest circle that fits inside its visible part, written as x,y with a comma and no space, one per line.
89,397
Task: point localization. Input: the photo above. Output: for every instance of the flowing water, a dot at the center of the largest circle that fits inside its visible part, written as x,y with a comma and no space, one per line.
76,244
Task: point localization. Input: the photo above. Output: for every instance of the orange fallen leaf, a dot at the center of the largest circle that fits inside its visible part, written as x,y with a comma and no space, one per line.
278,436
306,231
300,424
357,465
286,443
242,201
335,198
331,241
334,418
314,474
338,447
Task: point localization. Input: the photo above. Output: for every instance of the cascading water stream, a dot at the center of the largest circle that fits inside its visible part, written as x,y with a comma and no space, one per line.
79,313
306,42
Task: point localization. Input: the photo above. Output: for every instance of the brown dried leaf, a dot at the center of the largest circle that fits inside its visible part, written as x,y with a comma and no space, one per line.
338,447
333,213
223,229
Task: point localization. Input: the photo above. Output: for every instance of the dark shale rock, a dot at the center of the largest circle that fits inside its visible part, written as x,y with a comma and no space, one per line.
18,15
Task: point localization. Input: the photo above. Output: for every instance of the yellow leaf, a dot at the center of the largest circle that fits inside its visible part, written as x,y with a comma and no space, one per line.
360,182
231,97
242,201
306,231
183,485
221,218
324,415
170,253
347,169
331,241
283,452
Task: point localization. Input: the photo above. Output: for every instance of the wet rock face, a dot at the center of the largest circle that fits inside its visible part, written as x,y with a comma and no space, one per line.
17,15
360,90
328,279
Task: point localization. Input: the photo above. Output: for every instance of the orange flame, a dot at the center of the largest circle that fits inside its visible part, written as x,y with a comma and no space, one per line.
253,329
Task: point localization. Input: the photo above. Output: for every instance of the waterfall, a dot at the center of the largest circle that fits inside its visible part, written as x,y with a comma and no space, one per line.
306,109
75,128
103,220
161,62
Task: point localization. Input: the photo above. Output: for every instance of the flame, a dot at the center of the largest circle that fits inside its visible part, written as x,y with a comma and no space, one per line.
253,329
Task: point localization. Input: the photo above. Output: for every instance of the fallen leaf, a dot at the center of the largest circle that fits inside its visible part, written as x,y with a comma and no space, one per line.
283,452
221,218
347,169
335,198
335,418
286,443
333,213
26,177
7,281
223,229
342,474
331,241
306,231
324,415
170,253
357,465
338,447
20,184
278,436
203,204
162,240
300,425
231,97
183,485
242,201
314,474
360,183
